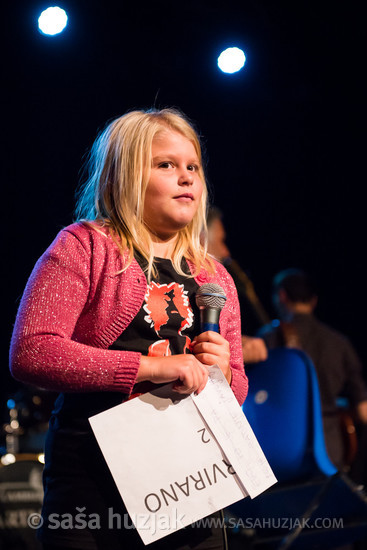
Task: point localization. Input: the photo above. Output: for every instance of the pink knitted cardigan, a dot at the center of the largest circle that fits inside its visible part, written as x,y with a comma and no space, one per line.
76,304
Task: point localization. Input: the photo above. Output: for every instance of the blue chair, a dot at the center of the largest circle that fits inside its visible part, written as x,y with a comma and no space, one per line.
312,505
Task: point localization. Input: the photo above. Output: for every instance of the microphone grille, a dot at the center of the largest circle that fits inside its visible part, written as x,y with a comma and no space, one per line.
210,295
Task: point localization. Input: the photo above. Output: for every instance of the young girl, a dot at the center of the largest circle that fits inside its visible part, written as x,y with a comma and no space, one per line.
109,311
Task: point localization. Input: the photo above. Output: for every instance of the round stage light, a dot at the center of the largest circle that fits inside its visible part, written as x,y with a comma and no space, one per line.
52,21
231,60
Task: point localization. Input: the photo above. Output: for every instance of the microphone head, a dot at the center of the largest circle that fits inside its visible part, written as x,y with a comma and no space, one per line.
210,295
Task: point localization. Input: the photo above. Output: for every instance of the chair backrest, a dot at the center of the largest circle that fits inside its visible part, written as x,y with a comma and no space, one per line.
284,411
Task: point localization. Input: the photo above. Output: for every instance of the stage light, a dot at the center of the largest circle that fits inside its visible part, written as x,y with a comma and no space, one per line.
52,21
41,458
231,60
7,459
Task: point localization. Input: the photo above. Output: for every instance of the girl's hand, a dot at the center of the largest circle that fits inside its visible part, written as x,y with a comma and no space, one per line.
189,374
210,348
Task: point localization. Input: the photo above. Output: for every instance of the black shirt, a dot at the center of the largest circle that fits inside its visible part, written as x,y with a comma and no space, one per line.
169,318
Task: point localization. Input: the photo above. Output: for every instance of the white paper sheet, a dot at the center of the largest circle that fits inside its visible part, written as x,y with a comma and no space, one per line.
229,425
166,463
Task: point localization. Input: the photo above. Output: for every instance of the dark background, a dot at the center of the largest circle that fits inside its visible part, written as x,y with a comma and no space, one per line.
285,137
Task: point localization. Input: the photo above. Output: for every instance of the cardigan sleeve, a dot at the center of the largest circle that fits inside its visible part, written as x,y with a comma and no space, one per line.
43,351
230,325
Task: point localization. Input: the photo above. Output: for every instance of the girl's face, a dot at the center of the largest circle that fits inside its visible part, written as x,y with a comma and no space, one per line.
174,189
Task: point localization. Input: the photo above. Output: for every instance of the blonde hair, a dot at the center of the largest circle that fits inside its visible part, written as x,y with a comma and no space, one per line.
113,194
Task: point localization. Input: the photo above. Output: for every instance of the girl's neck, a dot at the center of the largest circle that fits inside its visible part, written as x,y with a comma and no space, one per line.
163,248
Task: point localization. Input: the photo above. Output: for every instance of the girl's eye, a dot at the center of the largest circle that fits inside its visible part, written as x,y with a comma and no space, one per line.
193,168
165,165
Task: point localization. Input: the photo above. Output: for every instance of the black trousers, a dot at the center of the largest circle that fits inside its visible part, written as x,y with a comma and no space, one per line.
76,477
189,538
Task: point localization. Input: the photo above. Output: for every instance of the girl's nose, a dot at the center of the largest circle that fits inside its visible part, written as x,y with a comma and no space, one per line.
186,177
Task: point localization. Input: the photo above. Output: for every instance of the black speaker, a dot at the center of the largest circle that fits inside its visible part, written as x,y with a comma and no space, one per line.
21,495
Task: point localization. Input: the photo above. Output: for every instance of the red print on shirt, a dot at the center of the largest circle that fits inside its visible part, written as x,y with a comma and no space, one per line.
167,303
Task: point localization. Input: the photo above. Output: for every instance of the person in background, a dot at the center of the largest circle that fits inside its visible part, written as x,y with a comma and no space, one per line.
253,315
338,367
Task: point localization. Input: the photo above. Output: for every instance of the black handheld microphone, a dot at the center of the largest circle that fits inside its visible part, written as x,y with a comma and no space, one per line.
210,299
